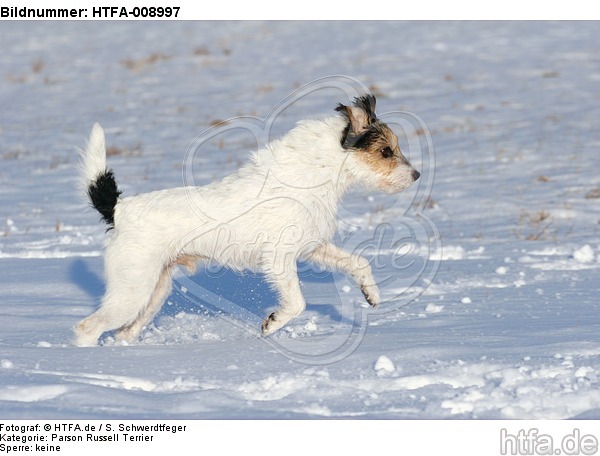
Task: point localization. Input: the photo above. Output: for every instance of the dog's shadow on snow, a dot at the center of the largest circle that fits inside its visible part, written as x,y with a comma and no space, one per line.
247,290
251,292
86,278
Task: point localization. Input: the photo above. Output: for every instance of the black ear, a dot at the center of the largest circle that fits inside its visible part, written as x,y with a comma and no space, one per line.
360,116
367,103
358,119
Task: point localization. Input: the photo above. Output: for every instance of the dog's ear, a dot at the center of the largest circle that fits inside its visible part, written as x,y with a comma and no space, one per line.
357,117
367,104
361,115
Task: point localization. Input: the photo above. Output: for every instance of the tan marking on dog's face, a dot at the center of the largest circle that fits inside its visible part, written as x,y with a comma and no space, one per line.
381,154
374,155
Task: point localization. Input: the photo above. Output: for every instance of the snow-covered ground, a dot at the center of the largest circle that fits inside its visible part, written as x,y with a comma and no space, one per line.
502,322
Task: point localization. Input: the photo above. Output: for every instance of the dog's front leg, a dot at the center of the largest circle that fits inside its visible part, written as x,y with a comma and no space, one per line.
284,280
356,266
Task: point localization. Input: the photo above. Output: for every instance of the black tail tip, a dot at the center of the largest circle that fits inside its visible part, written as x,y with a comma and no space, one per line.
104,194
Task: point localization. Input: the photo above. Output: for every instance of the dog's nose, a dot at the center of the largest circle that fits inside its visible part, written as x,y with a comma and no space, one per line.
416,174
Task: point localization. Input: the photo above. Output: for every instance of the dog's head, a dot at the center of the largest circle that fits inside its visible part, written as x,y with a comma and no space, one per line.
377,159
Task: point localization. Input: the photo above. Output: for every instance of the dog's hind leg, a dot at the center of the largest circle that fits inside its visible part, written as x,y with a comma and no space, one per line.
291,301
163,288
107,318
355,266
131,282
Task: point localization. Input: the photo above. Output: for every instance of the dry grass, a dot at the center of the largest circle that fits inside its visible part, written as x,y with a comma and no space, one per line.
217,122
550,74
19,79
140,64
534,226
376,90
593,194
38,66
134,151
201,50
264,89
539,217
12,154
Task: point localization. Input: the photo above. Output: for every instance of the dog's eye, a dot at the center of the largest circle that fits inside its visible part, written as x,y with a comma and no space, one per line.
386,152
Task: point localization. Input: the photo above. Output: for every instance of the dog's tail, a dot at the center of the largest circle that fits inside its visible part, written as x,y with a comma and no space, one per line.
100,183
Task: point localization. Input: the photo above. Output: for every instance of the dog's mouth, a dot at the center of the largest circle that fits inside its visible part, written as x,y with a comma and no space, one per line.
398,182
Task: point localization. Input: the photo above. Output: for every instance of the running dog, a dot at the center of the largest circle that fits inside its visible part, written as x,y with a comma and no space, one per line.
278,209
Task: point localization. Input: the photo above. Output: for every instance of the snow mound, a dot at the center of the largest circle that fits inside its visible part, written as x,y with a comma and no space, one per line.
384,365
584,254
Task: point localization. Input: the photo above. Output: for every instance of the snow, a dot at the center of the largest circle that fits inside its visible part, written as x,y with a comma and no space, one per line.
492,314
584,254
384,365
502,270
433,308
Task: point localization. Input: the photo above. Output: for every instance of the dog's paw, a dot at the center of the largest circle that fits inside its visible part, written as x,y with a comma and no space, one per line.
83,336
83,340
126,334
371,294
272,324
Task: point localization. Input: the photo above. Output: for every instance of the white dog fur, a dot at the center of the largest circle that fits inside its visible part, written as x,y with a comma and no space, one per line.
276,210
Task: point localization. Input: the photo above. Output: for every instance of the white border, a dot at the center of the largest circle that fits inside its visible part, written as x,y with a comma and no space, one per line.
343,10
346,438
